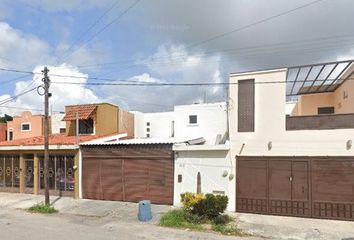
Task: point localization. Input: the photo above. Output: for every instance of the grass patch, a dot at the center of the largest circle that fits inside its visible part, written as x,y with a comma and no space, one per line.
229,229
179,218
42,208
182,219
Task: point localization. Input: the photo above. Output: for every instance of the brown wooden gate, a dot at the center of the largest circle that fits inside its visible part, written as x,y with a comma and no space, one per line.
128,173
296,186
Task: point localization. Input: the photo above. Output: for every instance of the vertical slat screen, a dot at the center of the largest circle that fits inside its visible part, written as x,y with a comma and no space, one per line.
246,105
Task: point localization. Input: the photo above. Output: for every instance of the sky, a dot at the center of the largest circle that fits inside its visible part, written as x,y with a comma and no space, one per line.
159,41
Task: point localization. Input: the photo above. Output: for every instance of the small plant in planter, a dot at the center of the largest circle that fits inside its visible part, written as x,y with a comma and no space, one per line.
42,208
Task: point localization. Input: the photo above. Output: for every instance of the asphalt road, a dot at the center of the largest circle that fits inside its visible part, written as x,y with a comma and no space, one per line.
19,224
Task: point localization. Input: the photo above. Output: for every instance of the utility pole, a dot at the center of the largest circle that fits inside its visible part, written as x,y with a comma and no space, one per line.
46,82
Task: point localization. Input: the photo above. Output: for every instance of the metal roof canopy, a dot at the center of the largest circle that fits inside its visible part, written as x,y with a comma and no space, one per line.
317,78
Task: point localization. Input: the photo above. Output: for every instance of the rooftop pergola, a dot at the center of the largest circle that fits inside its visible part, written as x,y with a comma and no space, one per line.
318,78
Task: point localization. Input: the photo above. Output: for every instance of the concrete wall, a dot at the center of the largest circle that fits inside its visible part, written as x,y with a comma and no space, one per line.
211,164
126,122
36,122
212,120
57,123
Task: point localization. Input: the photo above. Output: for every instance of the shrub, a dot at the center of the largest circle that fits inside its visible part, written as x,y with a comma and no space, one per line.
211,206
189,199
41,208
222,219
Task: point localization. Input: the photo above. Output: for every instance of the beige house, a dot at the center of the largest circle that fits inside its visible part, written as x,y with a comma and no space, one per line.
296,161
98,119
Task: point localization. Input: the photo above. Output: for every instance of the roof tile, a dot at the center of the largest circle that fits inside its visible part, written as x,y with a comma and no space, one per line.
84,111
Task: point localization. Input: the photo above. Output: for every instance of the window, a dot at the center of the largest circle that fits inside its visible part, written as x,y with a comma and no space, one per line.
86,126
11,135
25,127
147,129
62,130
246,106
325,110
148,124
193,119
148,135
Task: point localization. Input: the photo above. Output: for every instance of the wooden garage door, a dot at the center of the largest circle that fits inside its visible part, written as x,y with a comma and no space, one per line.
130,173
333,188
307,187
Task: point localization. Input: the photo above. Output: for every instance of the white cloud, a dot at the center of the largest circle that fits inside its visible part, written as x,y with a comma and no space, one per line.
171,64
66,5
62,94
18,49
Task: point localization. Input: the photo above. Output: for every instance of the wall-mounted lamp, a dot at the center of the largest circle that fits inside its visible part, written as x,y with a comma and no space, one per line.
225,173
75,167
349,144
231,176
270,145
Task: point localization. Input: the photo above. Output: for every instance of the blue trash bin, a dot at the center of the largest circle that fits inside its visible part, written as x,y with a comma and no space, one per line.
144,213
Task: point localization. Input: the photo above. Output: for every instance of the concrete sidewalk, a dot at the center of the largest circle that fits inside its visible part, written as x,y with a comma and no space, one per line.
113,212
280,227
82,207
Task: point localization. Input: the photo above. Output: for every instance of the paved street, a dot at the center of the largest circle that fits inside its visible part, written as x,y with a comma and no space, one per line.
92,219
19,225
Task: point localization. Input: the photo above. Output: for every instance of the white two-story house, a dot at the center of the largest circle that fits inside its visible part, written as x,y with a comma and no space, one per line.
201,147
291,135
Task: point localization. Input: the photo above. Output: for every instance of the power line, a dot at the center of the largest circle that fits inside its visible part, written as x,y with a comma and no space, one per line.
88,29
29,109
14,79
16,96
104,28
182,56
254,24
146,84
246,26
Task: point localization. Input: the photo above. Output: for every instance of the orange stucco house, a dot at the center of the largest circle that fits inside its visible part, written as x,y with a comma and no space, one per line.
21,156
25,126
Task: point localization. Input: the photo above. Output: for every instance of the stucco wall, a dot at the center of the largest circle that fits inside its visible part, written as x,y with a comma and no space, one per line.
270,125
344,98
106,121
211,165
3,128
126,122
36,122
308,104
57,123
212,120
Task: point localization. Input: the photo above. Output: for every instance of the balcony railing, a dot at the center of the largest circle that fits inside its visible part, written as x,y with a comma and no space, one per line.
320,122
